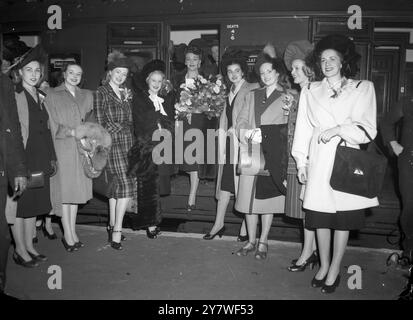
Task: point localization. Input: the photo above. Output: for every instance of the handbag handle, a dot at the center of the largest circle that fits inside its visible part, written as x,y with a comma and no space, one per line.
368,136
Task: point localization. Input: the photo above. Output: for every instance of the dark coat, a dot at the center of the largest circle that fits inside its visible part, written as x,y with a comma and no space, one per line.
12,156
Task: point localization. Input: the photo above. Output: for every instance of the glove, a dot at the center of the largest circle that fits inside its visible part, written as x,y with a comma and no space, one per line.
256,136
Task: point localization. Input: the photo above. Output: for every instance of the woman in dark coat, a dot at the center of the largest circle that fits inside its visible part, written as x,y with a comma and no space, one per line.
150,117
41,157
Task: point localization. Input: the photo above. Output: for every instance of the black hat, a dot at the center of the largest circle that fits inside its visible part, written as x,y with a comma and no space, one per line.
36,53
296,50
338,42
120,63
151,66
234,56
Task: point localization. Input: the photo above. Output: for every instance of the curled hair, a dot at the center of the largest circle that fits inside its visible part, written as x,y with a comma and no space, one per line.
279,66
226,62
194,50
70,63
345,48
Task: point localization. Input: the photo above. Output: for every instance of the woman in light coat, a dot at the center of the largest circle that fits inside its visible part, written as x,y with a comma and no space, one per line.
263,120
329,111
68,106
235,67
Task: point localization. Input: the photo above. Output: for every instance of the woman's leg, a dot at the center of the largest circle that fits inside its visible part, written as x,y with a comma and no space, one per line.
28,234
194,181
266,220
243,230
252,220
222,205
308,246
112,212
73,215
121,205
323,239
340,244
17,230
67,230
48,223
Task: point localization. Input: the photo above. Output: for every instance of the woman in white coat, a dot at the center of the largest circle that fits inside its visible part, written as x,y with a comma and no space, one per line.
329,111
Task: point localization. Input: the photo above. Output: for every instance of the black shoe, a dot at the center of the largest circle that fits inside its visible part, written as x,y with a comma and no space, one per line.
116,245
20,261
311,261
241,238
35,240
38,258
79,244
190,207
219,233
330,289
315,283
407,293
50,236
151,234
68,247
109,229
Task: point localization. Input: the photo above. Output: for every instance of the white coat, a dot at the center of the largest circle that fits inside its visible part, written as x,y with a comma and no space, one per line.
317,112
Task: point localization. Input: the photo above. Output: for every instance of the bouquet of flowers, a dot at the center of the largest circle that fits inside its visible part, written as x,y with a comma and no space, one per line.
201,96
288,101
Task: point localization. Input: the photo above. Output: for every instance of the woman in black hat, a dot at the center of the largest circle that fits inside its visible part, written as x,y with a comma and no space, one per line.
112,104
150,117
331,110
40,153
234,66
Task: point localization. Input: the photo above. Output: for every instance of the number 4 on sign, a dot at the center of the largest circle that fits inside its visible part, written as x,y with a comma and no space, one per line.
354,21
55,20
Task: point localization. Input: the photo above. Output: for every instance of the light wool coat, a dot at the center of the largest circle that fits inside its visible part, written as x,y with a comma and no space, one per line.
224,131
317,112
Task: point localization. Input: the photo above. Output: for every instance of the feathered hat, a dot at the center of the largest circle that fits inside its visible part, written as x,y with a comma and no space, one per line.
296,50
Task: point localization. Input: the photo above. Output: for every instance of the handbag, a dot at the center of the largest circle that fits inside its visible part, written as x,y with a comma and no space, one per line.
251,162
36,180
102,184
358,172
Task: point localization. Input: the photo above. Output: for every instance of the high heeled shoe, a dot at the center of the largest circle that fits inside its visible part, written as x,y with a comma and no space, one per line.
79,244
190,207
241,238
261,255
331,288
38,257
315,283
18,259
114,244
152,234
219,233
50,236
311,261
249,247
68,247
109,230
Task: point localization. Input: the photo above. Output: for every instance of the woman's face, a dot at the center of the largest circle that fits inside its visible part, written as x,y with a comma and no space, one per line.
118,75
234,73
154,82
298,72
192,61
269,76
73,75
330,63
31,73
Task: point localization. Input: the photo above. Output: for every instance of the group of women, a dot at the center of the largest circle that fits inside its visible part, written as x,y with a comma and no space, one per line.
295,131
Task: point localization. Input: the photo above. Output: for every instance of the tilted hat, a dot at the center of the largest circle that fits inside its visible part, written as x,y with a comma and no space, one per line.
340,43
120,63
36,53
151,66
296,50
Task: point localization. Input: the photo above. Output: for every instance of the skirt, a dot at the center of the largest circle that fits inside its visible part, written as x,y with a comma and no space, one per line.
35,202
293,203
341,220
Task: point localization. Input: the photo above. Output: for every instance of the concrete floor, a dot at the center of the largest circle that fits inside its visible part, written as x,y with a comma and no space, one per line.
179,266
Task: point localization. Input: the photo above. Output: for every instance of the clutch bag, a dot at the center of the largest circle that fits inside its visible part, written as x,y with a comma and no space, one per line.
36,180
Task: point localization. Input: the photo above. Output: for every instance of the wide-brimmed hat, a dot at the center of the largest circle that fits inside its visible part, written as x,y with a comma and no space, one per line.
151,66
340,43
296,50
36,53
123,62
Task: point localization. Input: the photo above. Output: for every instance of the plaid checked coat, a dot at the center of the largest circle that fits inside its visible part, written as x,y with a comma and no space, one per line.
115,115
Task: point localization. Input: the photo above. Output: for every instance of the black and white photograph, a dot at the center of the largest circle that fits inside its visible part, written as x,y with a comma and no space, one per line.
207,157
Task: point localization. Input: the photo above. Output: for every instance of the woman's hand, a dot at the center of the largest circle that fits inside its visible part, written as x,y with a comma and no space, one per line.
254,135
302,175
396,147
328,134
53,164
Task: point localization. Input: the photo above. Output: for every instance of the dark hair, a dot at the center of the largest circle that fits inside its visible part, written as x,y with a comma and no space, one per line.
279,66
346,49
194,50
70,63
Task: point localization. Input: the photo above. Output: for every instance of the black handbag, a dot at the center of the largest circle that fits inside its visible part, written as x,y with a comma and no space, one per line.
36,180
359,172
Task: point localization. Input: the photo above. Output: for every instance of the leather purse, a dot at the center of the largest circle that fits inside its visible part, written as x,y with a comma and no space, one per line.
36,180
359,172
251,160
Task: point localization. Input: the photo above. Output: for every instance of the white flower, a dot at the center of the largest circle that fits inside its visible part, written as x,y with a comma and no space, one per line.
216,89
219,82
188,102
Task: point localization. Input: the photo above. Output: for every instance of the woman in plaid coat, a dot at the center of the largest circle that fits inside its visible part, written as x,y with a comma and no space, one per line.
112,105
